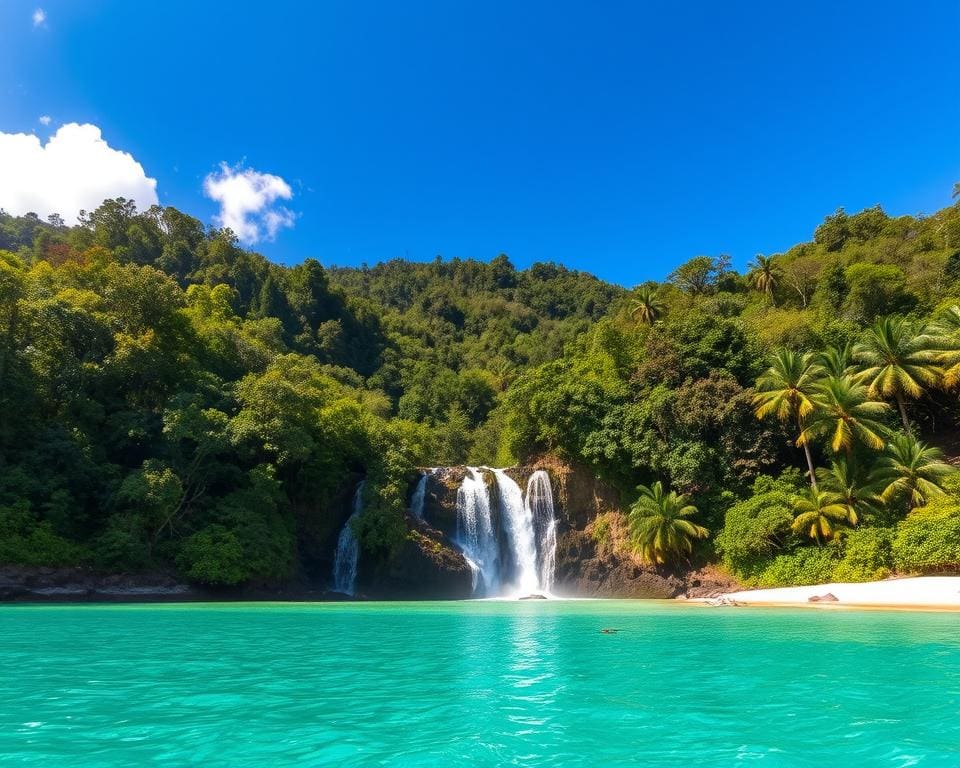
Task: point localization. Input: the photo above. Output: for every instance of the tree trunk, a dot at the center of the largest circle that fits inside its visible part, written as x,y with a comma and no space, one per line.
806,452
903,414
813,474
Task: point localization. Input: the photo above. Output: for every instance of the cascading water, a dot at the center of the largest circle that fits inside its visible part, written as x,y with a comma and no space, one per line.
511,547
517,522
420,494
348,551
539,502
475,534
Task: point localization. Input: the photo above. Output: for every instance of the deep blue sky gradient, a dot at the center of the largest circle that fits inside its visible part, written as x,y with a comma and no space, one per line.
616,137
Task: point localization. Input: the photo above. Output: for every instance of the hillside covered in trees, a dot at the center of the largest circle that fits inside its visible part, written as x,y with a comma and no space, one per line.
170,400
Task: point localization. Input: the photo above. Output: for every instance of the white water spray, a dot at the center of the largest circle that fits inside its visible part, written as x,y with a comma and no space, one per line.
348,551
475,534
539,503
510,546
518,526
420,494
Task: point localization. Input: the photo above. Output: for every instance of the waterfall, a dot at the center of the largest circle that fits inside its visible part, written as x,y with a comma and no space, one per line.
420,494
475,534
511,548
539,503
348,551
517,522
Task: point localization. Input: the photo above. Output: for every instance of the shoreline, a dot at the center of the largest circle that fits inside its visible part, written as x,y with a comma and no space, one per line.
911,593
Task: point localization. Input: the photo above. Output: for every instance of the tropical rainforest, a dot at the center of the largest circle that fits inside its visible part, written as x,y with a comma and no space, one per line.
170,400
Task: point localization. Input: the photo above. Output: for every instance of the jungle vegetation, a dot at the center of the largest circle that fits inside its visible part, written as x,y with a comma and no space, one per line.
169,399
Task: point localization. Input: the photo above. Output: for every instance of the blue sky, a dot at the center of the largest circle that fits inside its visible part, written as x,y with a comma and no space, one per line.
619,138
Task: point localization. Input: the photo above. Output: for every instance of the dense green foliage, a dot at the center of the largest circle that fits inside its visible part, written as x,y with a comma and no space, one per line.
168,399
834,355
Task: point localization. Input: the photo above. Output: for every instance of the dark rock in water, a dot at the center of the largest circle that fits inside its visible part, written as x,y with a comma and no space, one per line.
21,583
534,596
827,598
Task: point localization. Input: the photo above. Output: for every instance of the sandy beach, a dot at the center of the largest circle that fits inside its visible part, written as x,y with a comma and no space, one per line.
918,593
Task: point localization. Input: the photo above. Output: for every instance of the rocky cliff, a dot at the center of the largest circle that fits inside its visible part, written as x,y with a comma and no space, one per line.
593,558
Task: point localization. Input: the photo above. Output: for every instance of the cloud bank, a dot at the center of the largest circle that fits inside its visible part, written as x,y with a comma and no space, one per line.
248,202
39,17
75,170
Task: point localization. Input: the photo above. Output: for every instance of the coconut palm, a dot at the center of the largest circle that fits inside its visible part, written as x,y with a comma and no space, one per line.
659,526
646,305
819,515
947,330
858,491
899,360
912,468
837,361
764,275
846,415
786,390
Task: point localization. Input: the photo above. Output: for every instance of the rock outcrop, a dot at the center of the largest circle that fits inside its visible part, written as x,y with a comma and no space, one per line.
425,566
593,557
30,584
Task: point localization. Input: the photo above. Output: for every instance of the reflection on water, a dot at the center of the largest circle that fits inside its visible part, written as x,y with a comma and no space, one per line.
488,684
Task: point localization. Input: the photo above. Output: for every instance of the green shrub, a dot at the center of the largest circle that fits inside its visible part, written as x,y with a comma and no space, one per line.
867,555
24,540
213,556
758,527
807,565
123,545
928,539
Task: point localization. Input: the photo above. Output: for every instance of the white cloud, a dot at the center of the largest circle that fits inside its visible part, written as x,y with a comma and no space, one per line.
39,17
44,119
247,202
76,169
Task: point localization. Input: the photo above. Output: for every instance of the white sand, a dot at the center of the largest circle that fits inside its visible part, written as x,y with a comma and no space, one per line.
931,592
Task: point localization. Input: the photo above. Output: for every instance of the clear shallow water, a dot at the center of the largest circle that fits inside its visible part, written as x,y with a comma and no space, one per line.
477,683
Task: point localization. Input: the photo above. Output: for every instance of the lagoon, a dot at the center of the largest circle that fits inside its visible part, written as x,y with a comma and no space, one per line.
481,683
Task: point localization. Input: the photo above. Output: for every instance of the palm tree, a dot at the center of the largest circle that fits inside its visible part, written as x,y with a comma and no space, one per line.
658,524
858,492
646,305
764,275
785,390
845,413
913,468
837,361
947,330
819,514
899,360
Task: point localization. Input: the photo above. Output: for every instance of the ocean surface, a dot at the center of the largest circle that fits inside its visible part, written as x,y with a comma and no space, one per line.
476,684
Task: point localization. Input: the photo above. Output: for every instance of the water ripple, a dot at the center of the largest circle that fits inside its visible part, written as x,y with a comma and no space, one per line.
486,684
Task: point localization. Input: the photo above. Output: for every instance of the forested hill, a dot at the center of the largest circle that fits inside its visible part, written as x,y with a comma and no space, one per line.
169,399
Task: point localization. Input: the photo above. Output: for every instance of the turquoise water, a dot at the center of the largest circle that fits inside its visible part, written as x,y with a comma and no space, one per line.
476,683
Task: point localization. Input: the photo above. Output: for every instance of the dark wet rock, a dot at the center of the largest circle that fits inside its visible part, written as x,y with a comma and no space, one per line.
440,498
318,527
584,571
709,581
25,584
425,567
